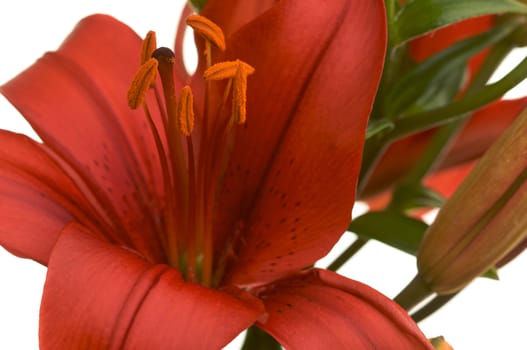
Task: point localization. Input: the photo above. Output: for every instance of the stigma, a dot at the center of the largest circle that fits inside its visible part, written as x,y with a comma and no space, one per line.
193,149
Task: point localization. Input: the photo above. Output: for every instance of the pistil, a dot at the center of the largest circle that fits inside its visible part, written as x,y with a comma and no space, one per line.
192,181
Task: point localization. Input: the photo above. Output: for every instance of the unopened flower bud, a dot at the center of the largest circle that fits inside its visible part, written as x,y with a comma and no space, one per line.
483,220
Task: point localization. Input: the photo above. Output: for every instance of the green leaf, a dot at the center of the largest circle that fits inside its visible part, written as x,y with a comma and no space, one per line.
197,5
392,228
414,122
429,84
421,16
257,339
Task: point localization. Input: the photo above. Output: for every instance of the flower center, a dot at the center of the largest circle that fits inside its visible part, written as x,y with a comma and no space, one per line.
191,175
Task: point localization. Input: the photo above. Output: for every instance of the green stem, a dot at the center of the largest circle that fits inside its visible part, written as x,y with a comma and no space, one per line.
414,293
435,304
256,339
347,254
391,9
432,154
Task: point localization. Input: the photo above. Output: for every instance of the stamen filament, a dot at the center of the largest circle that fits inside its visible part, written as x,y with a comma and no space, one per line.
210,184
192,268
168,241
185,121
160,105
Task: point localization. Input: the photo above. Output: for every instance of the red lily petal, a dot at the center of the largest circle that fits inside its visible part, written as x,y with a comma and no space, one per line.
75,99
230,15
322,310
100,296
481,131
37,198
293,171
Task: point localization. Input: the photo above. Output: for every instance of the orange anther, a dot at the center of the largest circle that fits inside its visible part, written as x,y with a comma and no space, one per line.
141,83
227,70
208,30
185,111
149,45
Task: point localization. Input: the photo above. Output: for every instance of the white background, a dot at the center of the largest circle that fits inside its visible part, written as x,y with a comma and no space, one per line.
486,315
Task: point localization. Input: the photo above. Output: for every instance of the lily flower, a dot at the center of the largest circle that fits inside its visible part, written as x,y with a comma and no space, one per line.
190,212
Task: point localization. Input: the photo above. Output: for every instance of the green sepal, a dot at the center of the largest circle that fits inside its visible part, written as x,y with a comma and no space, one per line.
437,80
419,17
492,274
197,5
392,228
414,196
